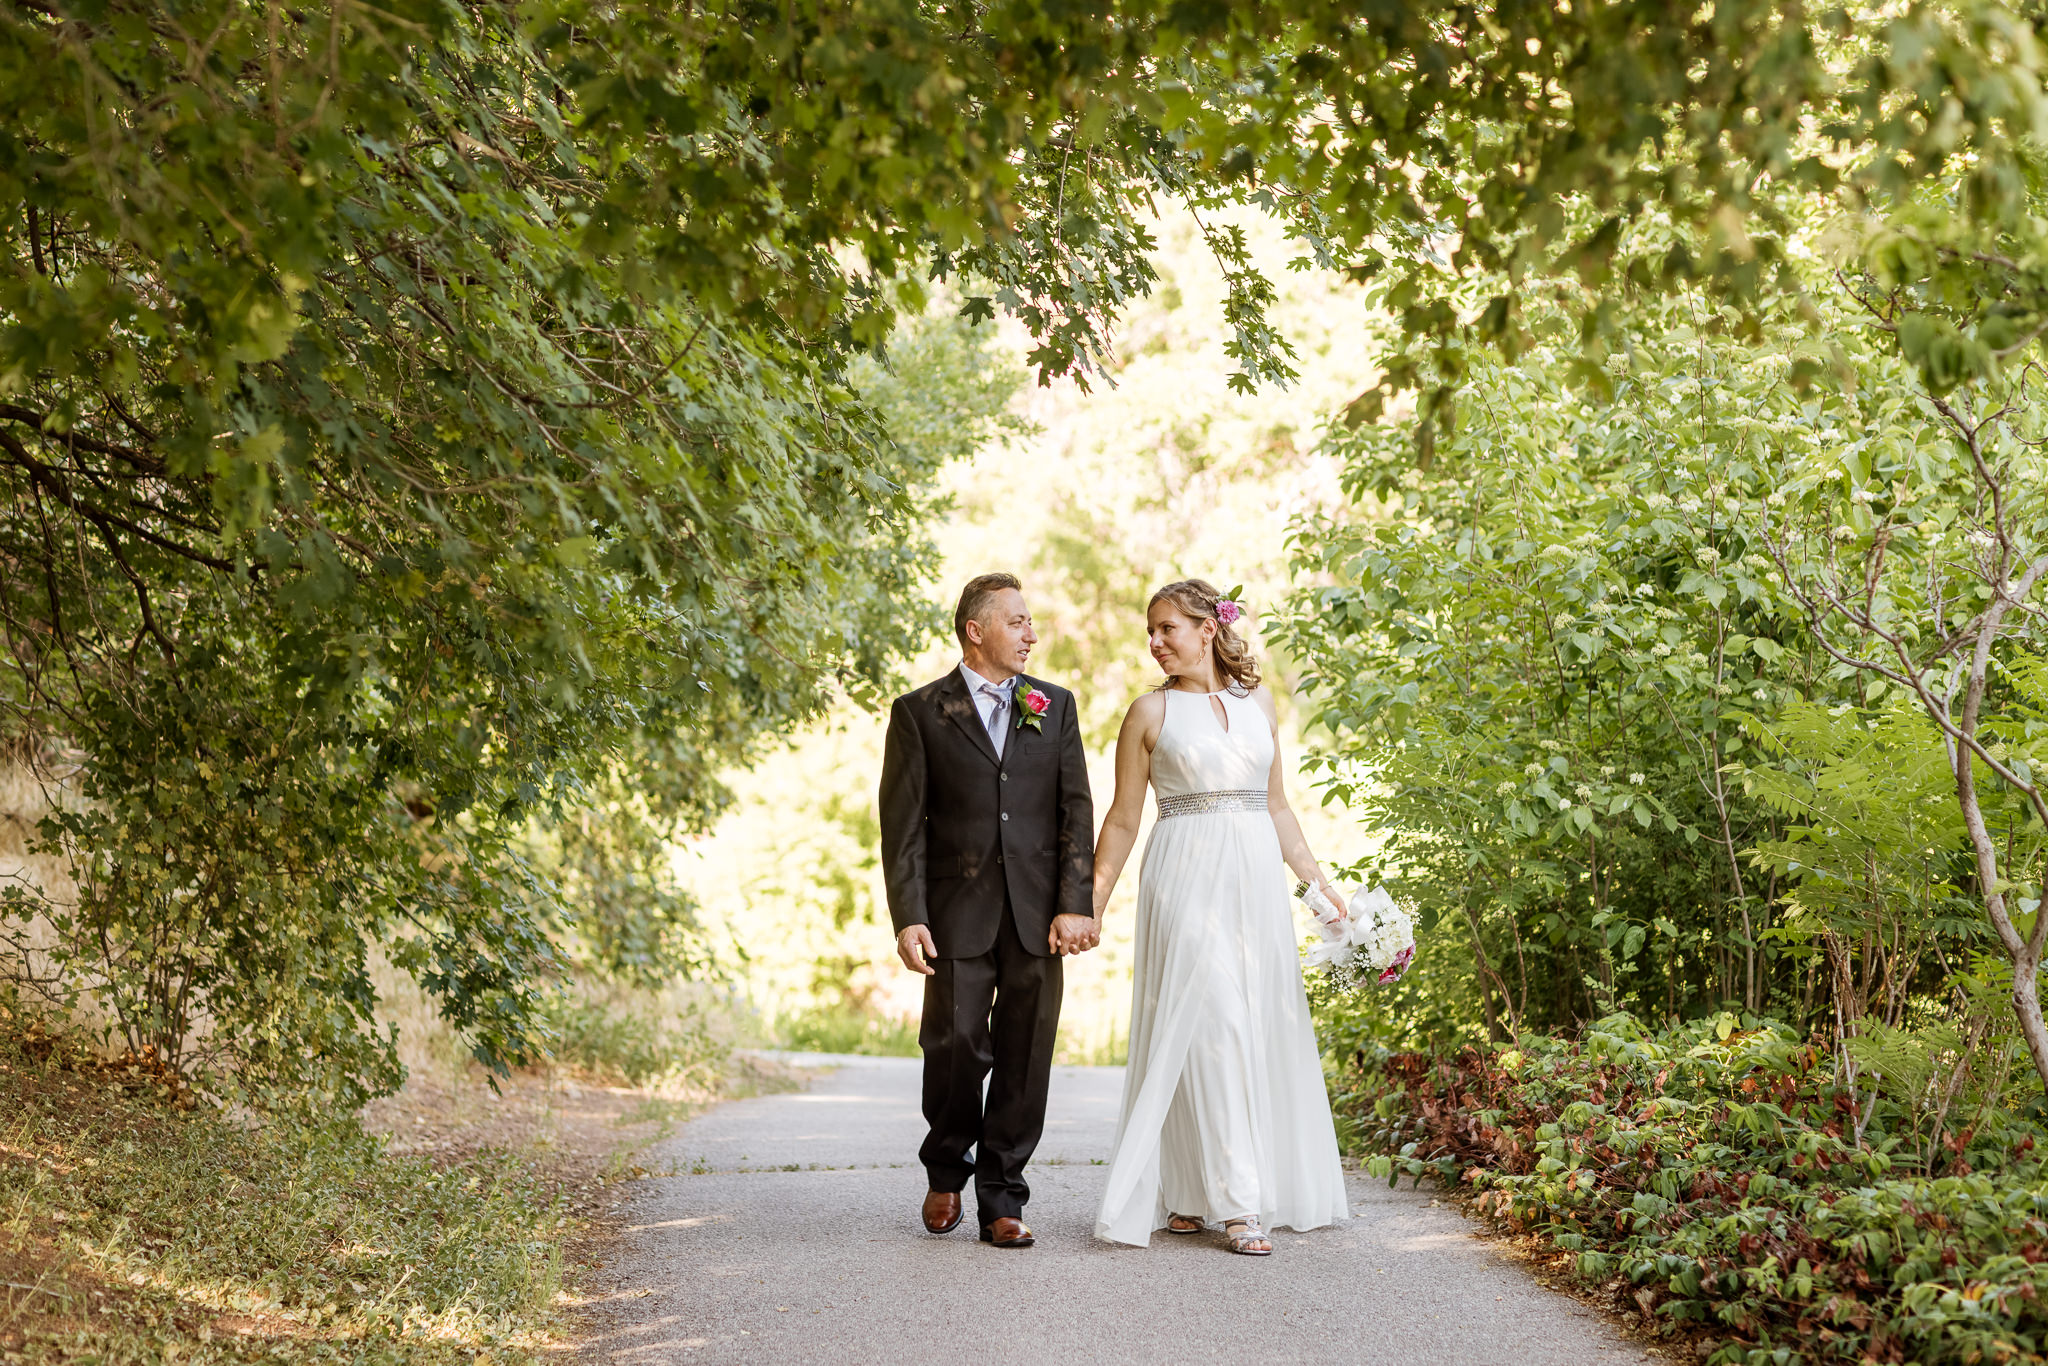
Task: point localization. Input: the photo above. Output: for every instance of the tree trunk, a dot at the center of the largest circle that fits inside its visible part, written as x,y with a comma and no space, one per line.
1489,982
1720,793
2025,953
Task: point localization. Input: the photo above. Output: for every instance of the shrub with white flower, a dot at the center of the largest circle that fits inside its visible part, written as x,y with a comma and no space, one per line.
1706,557
1374,945
1845,533
1533,770
1507,789
1660,651
1585,792
1636,779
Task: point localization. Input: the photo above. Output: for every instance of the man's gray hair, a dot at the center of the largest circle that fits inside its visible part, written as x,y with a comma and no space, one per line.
977,598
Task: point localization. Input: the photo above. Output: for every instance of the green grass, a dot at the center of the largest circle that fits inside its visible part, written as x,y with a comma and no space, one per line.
843,1029
1111,1050
621,1036
840,1028
147,1234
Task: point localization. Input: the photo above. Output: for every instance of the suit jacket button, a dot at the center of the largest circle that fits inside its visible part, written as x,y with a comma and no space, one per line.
1006,815
1006,777
999,858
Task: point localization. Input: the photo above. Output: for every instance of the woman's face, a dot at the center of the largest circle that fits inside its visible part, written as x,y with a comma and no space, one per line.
1179,643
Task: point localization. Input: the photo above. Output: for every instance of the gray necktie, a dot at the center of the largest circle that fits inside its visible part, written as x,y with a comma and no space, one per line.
997,731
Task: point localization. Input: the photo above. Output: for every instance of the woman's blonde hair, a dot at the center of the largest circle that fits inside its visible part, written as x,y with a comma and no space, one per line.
1196,600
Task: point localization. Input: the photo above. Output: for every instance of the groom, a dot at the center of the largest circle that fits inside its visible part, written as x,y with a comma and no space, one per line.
988,852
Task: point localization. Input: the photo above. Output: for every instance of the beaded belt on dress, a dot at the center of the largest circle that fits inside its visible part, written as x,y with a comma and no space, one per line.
1204,803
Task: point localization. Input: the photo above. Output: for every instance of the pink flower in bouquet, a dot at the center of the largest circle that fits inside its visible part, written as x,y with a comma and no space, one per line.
1037,701
1228,611
1398,966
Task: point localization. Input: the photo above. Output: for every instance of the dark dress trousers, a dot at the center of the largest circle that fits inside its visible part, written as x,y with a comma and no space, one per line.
986,851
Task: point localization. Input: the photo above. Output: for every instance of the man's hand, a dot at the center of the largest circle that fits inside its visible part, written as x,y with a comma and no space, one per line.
1074,934
914,946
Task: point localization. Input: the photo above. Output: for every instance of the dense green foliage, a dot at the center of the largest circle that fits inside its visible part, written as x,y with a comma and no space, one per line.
1561,658
401,549
374,500
1577,645
1719,1179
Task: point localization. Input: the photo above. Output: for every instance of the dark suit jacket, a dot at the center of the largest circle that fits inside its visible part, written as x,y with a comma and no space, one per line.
960,827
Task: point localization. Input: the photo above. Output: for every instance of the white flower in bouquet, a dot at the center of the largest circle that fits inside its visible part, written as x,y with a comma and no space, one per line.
1375,943
1381,932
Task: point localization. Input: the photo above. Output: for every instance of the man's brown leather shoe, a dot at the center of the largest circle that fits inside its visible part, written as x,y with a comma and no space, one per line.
1007,1233
941,1211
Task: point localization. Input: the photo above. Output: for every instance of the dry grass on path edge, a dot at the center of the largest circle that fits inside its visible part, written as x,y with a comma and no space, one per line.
447,1223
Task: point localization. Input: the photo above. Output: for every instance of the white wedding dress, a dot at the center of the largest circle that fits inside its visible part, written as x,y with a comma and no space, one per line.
1224,1110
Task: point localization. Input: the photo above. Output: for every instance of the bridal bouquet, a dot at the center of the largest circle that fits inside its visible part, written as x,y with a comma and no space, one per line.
1376,944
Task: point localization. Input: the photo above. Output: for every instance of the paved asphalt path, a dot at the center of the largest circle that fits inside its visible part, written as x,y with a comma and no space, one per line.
791,1234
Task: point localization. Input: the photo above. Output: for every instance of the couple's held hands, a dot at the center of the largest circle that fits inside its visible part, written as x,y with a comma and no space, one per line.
1073,934
1070,934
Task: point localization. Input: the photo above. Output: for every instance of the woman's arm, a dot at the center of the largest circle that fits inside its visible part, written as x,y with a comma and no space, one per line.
1133,773
1293,844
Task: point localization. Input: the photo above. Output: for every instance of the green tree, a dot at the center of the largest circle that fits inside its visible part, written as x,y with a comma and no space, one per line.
379,484
1547,651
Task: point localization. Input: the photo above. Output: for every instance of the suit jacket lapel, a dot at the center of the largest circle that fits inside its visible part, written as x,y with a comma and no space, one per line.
959,707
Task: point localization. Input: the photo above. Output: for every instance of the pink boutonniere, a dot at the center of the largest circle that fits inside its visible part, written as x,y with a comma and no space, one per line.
1031,705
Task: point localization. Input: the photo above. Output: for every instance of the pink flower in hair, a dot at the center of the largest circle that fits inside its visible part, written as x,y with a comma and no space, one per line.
1228,611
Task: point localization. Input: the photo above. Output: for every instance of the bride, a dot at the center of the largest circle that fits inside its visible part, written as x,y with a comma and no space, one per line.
1225,1119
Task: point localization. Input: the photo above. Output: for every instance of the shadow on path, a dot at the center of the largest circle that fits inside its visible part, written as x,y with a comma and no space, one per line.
793,1237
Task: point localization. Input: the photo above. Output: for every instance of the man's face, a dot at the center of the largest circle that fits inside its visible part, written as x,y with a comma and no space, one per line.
1003,637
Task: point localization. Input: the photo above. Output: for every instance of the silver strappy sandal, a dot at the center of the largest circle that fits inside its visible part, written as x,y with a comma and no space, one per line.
1247,1238
1183,1223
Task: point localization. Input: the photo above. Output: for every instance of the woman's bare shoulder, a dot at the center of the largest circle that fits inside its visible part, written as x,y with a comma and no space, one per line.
1148,709
1143,721
1263,696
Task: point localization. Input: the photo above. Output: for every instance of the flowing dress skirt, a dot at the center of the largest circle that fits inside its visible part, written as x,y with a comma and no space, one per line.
1224,1112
